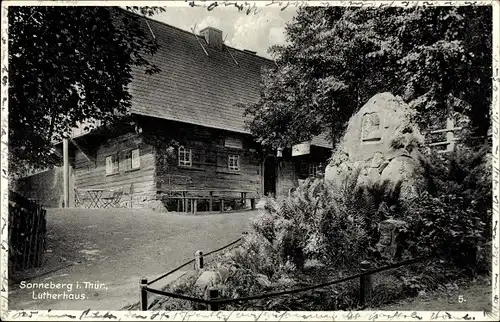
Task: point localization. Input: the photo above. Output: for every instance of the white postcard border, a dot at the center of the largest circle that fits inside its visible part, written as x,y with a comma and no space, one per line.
252,8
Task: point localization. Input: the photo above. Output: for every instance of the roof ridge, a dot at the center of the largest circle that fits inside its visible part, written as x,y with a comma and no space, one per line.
191,33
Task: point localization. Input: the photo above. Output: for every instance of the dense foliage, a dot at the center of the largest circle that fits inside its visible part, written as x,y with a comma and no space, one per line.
452,219
322,232
337,58
319,222
66,65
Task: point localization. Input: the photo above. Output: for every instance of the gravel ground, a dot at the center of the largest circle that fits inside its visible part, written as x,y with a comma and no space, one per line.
475,297
117,247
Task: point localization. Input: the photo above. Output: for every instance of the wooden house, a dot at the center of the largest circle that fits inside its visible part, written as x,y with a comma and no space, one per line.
188,131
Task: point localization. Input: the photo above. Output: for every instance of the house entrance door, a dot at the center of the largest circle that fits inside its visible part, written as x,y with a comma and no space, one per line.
270,176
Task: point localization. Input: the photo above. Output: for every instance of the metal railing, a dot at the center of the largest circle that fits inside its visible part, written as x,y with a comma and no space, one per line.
198,264
213,301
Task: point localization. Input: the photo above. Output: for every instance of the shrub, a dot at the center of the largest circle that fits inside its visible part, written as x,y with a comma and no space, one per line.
336,225
453,217
333,224
255,255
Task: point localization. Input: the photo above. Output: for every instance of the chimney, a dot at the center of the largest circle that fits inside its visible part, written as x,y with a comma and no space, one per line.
213,37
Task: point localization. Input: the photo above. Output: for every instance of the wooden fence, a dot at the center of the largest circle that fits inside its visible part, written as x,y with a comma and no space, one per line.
27,229
451,140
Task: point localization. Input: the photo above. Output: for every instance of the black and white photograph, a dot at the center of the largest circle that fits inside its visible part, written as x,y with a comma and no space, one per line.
250,161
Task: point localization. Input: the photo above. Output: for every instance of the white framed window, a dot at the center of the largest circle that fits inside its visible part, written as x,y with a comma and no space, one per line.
111,164
234,162
185,157
315,169
136,159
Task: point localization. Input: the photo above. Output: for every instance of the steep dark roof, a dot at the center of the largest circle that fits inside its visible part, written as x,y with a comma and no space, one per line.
322,141
193,87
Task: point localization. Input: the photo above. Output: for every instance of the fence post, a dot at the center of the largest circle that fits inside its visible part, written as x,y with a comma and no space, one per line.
365,284
213,294
450,135
198,259
144,294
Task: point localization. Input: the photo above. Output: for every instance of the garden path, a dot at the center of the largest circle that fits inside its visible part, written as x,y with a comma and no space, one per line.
117,247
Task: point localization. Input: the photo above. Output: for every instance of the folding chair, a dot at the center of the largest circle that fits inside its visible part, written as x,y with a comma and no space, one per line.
112,199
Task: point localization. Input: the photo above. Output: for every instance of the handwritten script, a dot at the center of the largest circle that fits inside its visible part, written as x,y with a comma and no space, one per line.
247,316
252,7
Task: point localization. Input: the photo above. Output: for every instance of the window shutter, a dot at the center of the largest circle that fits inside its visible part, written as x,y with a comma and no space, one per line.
109,164
115,163
136,159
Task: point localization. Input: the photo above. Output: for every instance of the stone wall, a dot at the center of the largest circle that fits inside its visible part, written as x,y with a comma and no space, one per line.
45,187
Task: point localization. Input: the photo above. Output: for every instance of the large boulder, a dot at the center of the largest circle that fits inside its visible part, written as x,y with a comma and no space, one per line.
403,172
207,278
382,144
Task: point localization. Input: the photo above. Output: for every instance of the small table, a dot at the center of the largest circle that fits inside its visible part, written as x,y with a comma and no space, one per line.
95,197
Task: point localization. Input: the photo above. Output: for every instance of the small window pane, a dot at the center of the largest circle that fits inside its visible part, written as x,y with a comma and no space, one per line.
234,162
315,169
185,157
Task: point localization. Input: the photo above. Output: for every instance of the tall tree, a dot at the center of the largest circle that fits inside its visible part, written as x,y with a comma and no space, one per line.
337,58
66,65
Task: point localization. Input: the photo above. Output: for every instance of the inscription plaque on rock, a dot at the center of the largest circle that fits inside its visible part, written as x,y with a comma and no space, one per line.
370,127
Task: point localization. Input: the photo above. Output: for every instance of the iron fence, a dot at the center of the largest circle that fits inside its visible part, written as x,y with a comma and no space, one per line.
213,301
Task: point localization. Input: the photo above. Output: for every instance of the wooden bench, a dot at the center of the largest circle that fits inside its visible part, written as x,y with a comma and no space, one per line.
188,201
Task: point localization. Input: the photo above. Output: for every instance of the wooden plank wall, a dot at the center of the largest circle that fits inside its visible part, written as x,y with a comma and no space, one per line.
142,181
289,171
209,170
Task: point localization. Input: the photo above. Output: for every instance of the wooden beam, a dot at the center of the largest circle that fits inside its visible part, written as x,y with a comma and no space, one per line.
66,173
85,154
194,33
450,136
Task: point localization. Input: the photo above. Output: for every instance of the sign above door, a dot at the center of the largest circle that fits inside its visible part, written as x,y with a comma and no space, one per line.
301,149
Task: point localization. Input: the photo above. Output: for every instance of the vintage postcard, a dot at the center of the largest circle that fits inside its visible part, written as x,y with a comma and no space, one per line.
250,160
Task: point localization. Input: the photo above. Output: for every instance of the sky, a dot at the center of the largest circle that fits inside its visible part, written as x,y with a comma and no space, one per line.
254,31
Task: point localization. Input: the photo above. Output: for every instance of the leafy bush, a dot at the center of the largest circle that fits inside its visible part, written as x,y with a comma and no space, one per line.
334,227
453,217
445,225
255,255
333,224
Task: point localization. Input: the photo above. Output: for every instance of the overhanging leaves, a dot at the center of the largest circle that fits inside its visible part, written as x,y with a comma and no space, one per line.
68,64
